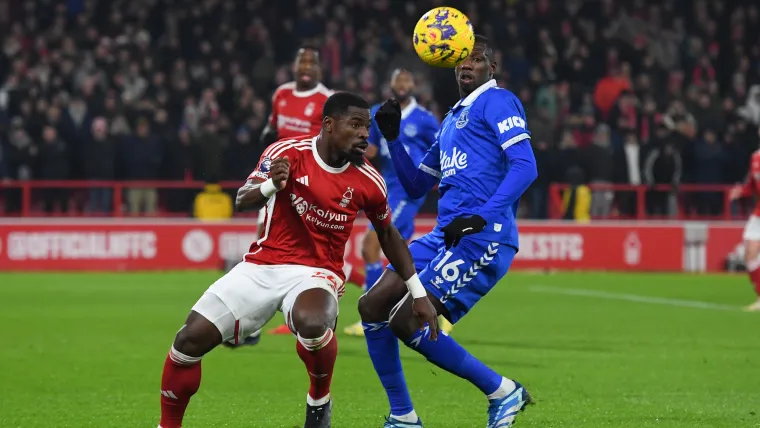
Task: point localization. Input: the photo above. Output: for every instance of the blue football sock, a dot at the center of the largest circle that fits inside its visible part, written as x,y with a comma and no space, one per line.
372,271
383,349
450,356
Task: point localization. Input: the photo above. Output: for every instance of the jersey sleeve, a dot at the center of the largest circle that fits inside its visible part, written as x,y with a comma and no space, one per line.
431,162
261,173
275,109
505,116
377,209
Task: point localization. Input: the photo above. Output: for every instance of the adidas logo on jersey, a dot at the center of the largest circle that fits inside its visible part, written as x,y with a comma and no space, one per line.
303,180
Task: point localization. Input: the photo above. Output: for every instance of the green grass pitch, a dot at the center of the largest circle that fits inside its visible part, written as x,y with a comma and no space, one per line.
595,350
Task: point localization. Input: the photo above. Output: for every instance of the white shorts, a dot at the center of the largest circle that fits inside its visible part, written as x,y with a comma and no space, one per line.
752,229
249,295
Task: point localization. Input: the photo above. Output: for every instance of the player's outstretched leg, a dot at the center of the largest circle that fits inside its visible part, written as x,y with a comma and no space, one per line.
313,316
182,368
375,307
506,397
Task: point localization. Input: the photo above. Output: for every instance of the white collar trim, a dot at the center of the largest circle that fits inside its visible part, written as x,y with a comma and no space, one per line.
409,108
303,94
476,93
324,164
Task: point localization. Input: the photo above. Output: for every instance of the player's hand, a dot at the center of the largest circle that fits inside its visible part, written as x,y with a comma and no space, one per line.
461,227
735,193
279,172
388,119
425,313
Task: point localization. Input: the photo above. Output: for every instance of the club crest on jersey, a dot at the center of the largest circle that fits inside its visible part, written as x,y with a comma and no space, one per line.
410,130
463,118
347,195
309,110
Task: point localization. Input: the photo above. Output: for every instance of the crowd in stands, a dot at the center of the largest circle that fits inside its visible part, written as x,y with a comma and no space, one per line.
635,92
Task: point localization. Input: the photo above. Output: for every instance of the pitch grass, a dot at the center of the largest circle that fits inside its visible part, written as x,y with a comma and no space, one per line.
86,350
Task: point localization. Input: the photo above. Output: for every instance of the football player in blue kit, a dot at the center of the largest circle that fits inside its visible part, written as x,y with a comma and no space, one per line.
483,162
417,134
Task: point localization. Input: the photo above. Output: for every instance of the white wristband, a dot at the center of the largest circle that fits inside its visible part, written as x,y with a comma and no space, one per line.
415,287
268,188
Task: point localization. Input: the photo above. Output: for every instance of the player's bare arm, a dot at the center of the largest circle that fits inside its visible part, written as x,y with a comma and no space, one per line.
396,250
253,195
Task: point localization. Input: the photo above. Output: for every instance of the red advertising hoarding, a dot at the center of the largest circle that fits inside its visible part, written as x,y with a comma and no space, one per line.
162,244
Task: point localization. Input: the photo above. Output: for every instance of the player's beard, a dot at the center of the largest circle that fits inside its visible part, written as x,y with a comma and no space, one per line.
354,158
401,97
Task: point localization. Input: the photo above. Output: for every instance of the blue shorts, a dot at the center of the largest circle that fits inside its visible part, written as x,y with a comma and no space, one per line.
460,276
403,212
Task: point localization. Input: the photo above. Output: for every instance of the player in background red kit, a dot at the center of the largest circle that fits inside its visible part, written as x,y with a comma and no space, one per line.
297,111
312,190
752,230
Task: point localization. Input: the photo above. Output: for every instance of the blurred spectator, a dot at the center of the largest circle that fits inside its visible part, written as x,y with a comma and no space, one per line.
663,166
709,161
100,164
599,166
210,144
53,164
143,161
627,170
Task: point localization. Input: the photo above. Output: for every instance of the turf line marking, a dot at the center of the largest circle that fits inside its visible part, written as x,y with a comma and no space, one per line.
633,298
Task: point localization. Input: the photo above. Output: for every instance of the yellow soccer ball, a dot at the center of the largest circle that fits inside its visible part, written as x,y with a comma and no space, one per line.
443,37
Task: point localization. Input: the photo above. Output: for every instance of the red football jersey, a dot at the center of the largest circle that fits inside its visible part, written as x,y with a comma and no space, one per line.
752,185
310,220
297,113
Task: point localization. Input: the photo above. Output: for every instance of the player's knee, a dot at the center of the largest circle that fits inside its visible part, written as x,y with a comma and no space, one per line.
189,343
313,326
368,310
197,337
315,318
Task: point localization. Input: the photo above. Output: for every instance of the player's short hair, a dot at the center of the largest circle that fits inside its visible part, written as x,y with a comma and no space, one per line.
486,43
339,103
307,47
397,71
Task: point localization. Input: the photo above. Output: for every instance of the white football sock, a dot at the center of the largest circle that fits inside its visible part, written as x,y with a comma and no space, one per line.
410,417
312,402
507,386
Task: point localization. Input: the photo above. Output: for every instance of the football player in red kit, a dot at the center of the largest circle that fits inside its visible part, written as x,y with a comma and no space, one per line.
752,230
296,112
312,189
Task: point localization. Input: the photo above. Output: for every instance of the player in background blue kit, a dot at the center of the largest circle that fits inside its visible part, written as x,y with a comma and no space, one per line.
418,129
484,162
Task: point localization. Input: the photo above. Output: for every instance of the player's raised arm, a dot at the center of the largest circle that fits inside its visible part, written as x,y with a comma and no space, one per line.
506,118
417,180
396,250
268,178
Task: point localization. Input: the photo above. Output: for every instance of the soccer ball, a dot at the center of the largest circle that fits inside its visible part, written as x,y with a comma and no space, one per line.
443,37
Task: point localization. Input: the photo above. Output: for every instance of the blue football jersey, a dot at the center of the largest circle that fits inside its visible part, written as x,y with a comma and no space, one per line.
470,156
418,129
